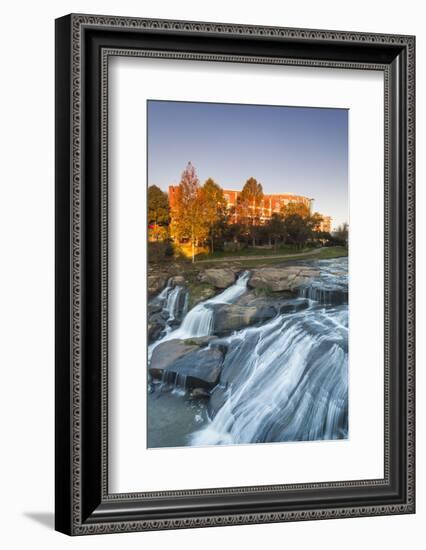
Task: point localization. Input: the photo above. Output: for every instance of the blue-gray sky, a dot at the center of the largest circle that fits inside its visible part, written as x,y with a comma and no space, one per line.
298,150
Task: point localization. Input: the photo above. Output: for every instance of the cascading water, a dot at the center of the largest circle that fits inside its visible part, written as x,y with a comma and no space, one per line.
286,380
331,285
199,321
172,304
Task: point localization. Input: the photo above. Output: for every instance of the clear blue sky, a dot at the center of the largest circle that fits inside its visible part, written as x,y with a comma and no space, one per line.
287,149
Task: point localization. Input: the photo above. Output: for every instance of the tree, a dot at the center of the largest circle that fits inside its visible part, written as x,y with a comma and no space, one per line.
341,234
187,212
276,229
298,230
214,208
249,202
295,208
158,206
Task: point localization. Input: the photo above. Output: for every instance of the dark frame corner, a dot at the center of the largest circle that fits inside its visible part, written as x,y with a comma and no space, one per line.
83,45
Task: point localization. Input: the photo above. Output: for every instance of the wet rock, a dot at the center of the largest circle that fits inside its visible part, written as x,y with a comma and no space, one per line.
178,280
156,283
199,393
293,306
200,369
231,317
167,353
217,400
218,277
154,306
154,331
185,362
201,341
279,279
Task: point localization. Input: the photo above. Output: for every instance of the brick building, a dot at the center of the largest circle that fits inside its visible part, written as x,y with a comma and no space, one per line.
271,203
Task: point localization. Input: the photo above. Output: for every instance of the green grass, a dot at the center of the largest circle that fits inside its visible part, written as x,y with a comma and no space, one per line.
249,251
327,253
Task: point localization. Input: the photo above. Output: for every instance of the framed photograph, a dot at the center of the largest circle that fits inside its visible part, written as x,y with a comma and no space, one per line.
234,274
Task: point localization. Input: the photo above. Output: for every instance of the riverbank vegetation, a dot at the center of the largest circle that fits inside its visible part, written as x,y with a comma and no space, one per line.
198,225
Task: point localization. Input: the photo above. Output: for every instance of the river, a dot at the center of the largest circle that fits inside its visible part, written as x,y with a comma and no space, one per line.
285,380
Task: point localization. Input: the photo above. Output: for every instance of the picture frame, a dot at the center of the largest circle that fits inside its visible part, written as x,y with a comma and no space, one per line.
84,505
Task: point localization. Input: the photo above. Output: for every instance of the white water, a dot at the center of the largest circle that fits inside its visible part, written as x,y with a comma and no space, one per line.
172,304
285,381
199,321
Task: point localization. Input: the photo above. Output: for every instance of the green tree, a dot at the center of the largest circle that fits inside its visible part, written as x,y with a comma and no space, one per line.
249,203
158,206
341,234
214,208
187,212
298,229
276,229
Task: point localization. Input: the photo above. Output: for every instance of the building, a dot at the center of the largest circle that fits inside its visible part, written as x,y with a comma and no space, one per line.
325,225
271,203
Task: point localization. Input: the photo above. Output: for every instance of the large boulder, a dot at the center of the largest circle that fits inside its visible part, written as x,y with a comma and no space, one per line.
178,280
279,279
156,283
200,369
231,317
167,353
188,362
218,277
154,331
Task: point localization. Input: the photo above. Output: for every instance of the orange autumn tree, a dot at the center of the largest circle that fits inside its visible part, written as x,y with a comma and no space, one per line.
187,219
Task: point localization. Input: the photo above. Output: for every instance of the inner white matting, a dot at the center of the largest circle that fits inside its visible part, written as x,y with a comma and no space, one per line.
133,467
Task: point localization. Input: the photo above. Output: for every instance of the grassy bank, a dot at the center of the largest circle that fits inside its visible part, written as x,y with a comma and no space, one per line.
248,262
249,251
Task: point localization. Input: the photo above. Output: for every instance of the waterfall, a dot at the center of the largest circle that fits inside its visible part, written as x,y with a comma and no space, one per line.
331,285
286,380
199,320
172,303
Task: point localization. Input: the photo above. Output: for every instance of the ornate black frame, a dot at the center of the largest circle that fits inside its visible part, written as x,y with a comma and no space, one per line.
83,46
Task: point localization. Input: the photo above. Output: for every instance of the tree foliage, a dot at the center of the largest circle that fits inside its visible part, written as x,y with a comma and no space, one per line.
341,234
295,209
188,222
276,229
214,210
248,207
158,206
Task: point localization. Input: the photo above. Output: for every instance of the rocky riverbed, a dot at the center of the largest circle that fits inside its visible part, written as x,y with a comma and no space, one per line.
211,366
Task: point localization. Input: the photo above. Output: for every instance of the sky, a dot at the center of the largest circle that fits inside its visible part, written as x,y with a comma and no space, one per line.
300,150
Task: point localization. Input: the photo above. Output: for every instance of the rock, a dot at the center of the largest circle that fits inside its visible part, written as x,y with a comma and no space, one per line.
178,280
231,317
217,400
167,353
201,341
279,279
198,393
218,277
201,369
187,363
293,306
156,283
154,331
200,295
154,307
